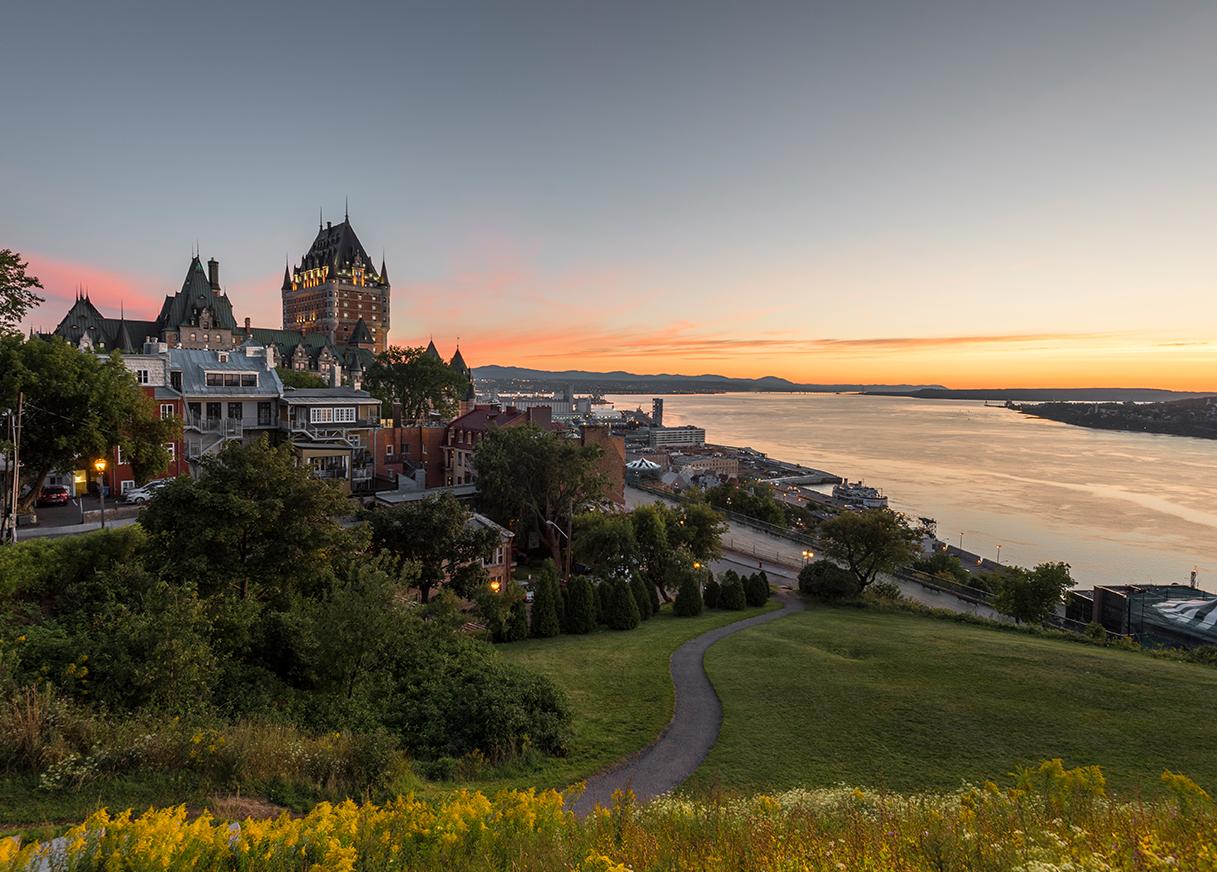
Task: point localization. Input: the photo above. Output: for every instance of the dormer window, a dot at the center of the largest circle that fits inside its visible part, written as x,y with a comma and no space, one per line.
223,356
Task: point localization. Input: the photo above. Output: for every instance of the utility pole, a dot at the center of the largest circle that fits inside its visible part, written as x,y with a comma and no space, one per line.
14,493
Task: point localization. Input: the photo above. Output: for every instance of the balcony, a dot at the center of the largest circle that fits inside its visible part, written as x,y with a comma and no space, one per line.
227,428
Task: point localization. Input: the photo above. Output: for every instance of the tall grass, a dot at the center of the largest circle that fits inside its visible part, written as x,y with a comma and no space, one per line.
1053,819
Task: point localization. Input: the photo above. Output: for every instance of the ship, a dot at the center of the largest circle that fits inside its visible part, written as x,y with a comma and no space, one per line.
855,493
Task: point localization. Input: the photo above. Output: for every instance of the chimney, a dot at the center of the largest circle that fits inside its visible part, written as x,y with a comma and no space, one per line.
247,331
336,375
213,274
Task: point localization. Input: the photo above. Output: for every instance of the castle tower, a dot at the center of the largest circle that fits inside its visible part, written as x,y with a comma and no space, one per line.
335,287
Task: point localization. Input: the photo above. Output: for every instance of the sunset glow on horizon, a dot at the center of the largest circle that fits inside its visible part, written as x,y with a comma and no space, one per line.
1017,196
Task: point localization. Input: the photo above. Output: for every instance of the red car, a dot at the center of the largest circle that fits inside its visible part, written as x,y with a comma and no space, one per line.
54,495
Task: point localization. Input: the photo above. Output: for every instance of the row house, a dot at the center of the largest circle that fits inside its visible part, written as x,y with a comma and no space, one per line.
465,432
335,432
228,396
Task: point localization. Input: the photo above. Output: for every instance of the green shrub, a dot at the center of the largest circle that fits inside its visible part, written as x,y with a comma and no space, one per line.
638,588
756,589
688,596
1096,632
546,601
623,611
709,594
824,580
732,596
884,591
581,606
604,600
52,568
516,627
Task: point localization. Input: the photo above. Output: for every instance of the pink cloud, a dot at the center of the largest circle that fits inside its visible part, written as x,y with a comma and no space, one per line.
139,295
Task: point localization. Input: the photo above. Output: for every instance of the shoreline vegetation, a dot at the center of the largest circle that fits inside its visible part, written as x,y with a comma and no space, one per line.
1196,417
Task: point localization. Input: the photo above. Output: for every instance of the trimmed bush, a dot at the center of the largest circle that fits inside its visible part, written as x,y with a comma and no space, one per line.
638,588
824,580
623,611
516,627
756,589
884,591
709,594
732,596
546,601
580,606
688,597
604,601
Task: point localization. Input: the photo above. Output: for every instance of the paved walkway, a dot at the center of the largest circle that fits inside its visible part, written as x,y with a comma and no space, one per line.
683,745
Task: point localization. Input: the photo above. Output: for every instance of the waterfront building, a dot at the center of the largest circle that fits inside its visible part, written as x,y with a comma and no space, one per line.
668,437
335,288
657,412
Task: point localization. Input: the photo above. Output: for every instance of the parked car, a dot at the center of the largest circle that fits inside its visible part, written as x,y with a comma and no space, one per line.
54,495
146,492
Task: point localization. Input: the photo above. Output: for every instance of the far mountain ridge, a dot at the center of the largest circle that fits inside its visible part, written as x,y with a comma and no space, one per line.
626,382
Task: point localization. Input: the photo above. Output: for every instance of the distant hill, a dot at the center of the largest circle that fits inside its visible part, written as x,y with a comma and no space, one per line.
620,381
1044,395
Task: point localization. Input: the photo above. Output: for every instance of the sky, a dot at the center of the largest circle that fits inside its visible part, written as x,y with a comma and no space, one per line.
974,194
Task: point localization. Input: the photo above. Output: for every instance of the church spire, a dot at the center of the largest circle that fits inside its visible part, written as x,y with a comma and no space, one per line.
287,276
384,270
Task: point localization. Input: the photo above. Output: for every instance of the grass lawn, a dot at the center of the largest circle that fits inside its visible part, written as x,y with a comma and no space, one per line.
900,701
619,689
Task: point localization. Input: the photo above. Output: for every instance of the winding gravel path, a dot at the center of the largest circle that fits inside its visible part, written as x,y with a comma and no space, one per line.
683,745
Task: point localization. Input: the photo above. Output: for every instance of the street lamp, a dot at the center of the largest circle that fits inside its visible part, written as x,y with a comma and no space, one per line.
100,465
999,552
808,555
495,586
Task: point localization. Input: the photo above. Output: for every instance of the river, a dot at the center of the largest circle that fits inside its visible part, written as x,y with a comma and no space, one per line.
1118,507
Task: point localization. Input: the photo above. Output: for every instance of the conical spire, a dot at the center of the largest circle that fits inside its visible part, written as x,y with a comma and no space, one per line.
384,271
432,351
287,277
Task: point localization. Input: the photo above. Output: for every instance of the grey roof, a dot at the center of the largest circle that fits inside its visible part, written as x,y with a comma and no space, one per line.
196,363
337,247
343,392
107,334
360,333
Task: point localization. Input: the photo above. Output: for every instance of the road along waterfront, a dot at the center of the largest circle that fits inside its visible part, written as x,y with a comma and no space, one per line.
1119,507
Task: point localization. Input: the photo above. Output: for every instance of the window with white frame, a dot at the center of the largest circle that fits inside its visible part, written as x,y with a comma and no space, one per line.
171,447
121,458
141,376
330,415
166,411
125,485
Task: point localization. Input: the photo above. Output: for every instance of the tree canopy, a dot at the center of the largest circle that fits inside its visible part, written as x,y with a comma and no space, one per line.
440,536
296,378
252,521
869,542
17,286
1031,595
79,407
534,479
417,383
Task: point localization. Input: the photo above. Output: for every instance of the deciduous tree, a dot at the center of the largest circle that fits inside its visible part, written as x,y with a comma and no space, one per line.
1031,596
17,286
869,542
415,382
439,534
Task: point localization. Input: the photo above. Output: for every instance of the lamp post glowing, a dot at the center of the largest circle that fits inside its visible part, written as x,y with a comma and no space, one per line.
808,555
100,465
495,586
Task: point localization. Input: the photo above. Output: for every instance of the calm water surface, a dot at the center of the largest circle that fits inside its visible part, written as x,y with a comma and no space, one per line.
1119,507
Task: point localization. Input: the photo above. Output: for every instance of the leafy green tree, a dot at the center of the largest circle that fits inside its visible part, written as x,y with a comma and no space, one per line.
581,606
546,603
440,535
17,286
732,596
253,519
824,580
869,542
1031,596
604,600
642,598
409,379
943,565
688,596
298,378
697,529
78,408
755,499
534,479
650,524
517,621
604,541
710,593
622,610
756,589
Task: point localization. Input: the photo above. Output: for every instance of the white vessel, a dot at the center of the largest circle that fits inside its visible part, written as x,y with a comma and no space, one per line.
858,494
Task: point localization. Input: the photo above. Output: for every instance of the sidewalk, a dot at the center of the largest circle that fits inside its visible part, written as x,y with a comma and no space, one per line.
41,532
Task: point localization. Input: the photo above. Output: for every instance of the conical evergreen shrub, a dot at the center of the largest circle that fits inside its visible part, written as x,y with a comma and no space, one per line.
688,597
623,611
604,596
546,601
732,597
709,594
639,590
517,622
580,606
756,589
